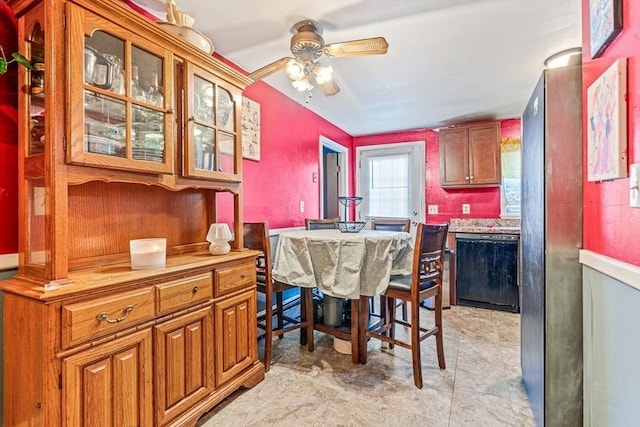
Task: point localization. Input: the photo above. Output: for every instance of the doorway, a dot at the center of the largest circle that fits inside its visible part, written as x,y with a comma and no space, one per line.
333,177
391,180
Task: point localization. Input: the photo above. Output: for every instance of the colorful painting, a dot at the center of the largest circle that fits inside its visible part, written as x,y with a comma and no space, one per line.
250,129
605,22
607,124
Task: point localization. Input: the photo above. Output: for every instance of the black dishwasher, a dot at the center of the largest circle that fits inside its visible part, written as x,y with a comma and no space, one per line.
487,271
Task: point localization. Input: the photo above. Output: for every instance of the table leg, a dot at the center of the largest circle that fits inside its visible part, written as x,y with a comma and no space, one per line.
355,335
362,328
303,331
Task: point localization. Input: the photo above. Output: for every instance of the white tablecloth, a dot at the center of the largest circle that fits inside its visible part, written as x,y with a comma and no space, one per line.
344,265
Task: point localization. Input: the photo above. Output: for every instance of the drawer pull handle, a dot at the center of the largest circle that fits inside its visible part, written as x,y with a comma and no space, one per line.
195,289
242,276
105,316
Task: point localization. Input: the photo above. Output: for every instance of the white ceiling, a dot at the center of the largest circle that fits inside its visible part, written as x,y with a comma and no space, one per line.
449,61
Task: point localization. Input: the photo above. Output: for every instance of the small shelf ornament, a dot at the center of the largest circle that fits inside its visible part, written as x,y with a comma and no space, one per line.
218,236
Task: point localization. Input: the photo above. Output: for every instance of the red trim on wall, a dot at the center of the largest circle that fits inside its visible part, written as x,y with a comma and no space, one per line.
611,227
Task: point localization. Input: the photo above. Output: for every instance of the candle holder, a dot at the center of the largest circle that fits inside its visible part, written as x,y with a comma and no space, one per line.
148,253
219,236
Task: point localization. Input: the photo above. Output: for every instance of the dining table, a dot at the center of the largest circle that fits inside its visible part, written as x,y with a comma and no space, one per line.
343,265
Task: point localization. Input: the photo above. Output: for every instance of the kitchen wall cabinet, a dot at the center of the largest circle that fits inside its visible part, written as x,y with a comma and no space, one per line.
470,156
125,131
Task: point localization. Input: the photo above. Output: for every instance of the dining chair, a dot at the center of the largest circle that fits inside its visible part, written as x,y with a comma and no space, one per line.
425,281
320,224
256,236
393,225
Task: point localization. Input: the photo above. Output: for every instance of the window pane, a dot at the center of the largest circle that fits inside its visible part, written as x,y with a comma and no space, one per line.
510,148
389,186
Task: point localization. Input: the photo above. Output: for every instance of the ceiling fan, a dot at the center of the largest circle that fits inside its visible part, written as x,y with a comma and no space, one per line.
307,46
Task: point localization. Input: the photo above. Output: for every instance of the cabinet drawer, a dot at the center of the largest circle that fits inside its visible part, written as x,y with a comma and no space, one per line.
231,279
181,293
92,319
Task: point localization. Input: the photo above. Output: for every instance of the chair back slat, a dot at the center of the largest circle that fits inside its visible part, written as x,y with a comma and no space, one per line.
428,261
321,224
391,224
256,236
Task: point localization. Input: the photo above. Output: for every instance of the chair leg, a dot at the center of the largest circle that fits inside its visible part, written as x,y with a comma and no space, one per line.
383,307
391,318
268,330
439,335
415,345
306,315
404,311
280,309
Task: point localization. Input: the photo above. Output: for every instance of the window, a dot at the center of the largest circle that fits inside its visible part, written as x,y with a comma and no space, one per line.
391,181
389,186
511,176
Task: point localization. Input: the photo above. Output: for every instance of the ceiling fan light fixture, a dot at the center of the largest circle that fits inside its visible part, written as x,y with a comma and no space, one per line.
323,74
295,70
302,84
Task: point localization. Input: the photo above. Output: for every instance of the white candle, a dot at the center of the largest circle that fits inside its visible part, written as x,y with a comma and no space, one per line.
148,253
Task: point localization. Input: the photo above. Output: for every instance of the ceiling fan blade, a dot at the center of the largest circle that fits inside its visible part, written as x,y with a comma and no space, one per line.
329,88
269,69
371,46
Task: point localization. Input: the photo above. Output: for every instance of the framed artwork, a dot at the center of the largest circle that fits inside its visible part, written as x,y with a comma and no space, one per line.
605,22
607,124
250,129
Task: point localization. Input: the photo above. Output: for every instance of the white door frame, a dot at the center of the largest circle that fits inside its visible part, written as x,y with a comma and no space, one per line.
343,162
421,150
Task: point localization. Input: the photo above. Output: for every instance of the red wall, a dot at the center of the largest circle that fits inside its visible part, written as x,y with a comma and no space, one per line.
611,227
290,154
485,202
8,138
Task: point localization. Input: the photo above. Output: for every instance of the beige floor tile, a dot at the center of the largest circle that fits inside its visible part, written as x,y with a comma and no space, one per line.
481,386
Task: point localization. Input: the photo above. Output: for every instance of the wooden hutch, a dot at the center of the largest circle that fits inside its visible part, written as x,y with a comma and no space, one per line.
125,131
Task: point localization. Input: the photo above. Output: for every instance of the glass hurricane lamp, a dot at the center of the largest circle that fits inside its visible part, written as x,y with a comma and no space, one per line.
218,236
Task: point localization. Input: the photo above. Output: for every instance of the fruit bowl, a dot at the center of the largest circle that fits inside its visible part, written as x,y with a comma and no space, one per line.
351,226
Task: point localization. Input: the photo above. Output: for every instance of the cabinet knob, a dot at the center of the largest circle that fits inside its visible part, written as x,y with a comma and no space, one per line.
466,177
471,177
195,289
242,276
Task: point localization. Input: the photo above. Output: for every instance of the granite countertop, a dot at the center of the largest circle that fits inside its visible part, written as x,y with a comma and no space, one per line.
485,225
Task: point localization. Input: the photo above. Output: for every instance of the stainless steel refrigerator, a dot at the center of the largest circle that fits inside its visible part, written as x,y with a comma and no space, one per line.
551,235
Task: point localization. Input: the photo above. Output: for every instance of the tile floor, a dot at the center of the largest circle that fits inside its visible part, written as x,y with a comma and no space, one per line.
482,385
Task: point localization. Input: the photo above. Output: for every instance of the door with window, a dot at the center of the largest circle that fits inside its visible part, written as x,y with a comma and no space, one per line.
391,181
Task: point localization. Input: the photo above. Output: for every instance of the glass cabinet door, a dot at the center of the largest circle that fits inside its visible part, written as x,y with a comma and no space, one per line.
33,141
126,92
35,97
211,148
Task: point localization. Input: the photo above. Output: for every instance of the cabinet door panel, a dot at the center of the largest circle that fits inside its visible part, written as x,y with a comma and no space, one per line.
110,384
184,363
484,154
453,158
235,339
